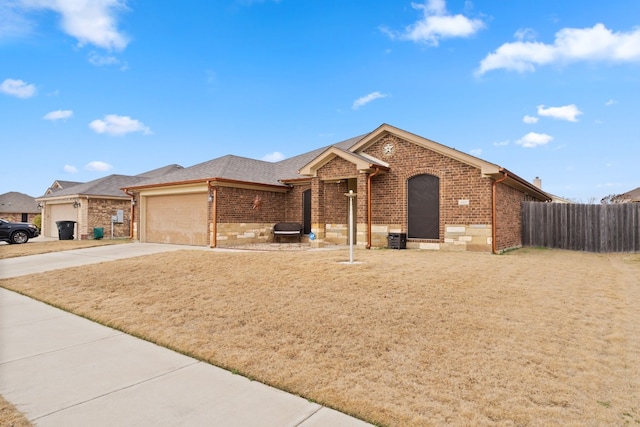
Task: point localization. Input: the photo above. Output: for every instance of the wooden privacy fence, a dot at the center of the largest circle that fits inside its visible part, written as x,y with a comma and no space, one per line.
591,228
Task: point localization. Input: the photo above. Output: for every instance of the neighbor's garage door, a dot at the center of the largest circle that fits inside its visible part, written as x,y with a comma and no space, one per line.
63,212
179,219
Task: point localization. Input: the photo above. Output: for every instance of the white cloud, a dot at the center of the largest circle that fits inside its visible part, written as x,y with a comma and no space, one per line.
567,112
98,166
570,45
610,102
102,60
367,99
58,115
436,24
88,21
476,152
530,119
525,34
70,169
276,156
533,139
17,88
118,125
501,143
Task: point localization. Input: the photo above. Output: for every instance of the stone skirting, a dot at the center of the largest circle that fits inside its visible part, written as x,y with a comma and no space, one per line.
233,234
474,237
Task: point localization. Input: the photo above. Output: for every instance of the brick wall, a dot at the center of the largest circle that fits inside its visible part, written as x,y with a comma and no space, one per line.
235,205
458,181
509,217
294,203
17,217
98,215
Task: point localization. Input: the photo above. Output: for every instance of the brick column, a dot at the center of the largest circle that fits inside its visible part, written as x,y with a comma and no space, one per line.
317,209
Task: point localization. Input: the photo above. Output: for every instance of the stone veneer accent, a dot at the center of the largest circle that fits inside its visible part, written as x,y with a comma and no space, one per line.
474,237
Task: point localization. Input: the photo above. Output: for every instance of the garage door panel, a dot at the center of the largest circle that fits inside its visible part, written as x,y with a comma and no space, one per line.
178,219
60,212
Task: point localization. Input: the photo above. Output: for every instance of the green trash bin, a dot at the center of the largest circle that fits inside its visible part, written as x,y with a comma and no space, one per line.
98,233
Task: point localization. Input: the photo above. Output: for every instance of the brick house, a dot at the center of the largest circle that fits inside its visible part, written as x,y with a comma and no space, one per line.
18,207
95,204
439,197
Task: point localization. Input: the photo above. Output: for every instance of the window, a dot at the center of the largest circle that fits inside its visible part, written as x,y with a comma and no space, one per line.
423,208
25,217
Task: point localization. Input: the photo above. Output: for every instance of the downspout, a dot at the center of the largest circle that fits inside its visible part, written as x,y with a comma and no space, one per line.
214,214
369,178
494,213
131,217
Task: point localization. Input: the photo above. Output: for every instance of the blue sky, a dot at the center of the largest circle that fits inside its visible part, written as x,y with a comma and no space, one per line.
543,88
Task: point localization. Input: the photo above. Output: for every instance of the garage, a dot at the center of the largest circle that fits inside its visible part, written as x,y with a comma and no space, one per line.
177,219
59,212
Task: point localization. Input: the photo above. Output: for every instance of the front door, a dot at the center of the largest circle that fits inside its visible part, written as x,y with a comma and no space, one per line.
306,212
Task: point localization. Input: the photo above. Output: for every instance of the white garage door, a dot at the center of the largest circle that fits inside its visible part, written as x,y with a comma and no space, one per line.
63,212
178,219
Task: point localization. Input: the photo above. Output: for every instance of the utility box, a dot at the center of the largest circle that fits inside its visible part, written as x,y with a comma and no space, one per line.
397,241
98,233
118,218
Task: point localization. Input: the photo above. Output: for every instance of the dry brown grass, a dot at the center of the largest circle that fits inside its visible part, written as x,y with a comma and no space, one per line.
10,416
34,248
533,337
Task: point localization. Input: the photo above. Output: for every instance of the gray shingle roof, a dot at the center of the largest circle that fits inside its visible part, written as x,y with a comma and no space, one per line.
160,171
243,169
14,202
107,186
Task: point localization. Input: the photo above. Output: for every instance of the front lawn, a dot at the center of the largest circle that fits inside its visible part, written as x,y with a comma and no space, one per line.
533,337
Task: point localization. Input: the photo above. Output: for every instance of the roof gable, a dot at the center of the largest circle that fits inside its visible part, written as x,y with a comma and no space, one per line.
108,186
360,161
485,167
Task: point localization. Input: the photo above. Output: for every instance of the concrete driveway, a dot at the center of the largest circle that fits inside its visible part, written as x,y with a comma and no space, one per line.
61,369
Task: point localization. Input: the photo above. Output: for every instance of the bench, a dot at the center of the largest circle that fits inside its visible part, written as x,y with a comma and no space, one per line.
287,229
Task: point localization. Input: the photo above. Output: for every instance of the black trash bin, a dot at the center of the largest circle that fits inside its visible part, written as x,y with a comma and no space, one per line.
397,240
65,229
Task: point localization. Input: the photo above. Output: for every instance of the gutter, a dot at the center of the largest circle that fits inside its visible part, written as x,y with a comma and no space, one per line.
369,205
216,180
494,213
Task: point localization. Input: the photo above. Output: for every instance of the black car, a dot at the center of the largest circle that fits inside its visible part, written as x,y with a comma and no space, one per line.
17,232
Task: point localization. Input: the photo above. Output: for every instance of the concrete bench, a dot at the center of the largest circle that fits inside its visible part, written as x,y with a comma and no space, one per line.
287,229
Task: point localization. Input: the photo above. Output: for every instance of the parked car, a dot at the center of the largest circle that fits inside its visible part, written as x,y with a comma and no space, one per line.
17,232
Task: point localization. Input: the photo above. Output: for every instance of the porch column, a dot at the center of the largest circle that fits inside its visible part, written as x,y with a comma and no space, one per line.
362,213
317,210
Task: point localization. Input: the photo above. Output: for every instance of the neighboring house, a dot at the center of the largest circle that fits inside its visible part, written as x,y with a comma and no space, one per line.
95,204
439,197
18,207
628,197
60,185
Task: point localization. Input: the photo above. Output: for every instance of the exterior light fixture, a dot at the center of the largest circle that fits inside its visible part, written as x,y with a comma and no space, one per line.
133,202
210,198
76,204
39,205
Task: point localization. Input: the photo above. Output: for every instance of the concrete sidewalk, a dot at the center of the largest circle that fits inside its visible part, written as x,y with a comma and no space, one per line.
61,369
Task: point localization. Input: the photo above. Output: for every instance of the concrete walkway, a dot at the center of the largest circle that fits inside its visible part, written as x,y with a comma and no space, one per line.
63,370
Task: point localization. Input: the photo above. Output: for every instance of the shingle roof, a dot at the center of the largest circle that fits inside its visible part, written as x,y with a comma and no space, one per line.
243,169
107,186
633,196
14,202
67,184
160,171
